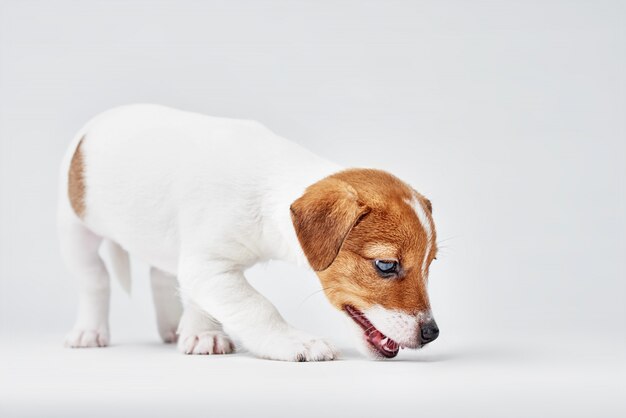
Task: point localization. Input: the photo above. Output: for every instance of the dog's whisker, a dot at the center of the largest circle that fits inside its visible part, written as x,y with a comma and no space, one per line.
447,239
315,293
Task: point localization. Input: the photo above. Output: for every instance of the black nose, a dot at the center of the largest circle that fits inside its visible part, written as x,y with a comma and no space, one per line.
430,332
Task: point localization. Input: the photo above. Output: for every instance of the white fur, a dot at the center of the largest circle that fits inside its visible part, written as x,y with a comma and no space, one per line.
426,222
398,325
167,304
119,263
79,249
196,197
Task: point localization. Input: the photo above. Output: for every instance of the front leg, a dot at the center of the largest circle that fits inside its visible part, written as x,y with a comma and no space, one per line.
226,295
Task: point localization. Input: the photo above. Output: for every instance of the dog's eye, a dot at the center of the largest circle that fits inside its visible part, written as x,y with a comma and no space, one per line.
386,267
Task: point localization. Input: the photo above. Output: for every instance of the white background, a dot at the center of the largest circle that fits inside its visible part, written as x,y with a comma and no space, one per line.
508,115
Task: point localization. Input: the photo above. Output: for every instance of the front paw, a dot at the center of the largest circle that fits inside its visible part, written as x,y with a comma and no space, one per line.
206,342
86,337
295,346
168,336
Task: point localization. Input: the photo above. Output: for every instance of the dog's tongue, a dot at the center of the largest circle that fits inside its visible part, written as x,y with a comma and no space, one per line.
386,346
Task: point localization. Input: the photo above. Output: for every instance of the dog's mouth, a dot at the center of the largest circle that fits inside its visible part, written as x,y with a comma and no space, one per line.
380,342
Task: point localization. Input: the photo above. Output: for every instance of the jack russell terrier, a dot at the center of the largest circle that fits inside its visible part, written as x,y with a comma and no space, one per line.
201,199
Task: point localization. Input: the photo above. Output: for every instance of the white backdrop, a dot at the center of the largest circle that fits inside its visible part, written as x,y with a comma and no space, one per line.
509,116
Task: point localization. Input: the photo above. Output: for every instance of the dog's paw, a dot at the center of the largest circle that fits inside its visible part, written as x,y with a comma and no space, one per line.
207,342
169,336
297,346
83,338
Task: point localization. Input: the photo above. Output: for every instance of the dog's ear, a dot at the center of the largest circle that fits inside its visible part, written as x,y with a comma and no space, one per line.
323,216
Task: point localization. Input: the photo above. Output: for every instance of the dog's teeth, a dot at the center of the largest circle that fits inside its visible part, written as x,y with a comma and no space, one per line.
384,341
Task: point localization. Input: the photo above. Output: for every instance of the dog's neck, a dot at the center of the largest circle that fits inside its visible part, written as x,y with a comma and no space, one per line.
288,183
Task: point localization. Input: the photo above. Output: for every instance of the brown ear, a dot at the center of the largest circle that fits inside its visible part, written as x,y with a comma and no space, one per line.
429,206
323,216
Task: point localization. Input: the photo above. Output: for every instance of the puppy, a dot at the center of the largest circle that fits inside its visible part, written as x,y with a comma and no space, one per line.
201,199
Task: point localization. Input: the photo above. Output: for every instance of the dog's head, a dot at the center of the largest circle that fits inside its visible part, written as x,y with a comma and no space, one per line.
371,239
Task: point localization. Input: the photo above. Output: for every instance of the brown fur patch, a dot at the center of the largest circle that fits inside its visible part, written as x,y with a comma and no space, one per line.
364,215
322,218
76,181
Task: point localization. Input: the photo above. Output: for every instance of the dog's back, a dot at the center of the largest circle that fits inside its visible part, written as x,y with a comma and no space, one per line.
147,159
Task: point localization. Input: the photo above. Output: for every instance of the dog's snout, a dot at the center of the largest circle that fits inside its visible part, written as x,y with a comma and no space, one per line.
430,332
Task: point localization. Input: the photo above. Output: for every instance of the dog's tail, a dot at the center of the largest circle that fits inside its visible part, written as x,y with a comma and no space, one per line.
119,263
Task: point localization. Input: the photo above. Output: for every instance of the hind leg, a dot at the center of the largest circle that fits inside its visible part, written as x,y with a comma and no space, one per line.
200,333
167,304
79,248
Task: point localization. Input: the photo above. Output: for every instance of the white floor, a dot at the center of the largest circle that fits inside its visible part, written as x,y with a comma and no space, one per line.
140,378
